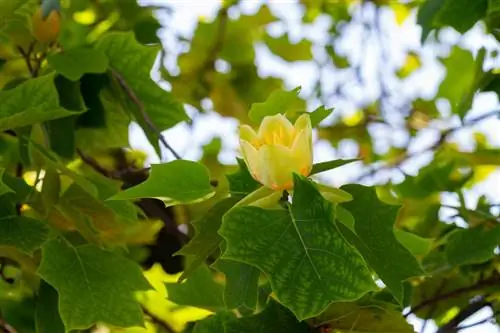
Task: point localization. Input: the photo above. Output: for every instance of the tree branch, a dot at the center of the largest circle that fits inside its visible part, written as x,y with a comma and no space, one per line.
27,58
493,281
480,322
452,325
431,148
149,122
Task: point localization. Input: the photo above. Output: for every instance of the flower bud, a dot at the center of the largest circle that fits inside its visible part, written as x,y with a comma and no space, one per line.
278,150
46,29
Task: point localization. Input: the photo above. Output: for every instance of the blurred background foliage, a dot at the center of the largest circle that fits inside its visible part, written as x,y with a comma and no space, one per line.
412,113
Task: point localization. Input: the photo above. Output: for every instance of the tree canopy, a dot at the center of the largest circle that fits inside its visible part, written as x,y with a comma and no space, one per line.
95,238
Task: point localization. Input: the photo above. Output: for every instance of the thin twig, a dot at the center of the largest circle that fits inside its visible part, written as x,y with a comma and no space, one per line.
431,148
455,293
116,175
480,322
433,308
27,58
133,97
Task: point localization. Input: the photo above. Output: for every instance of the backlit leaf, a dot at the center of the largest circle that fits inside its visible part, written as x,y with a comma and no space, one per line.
306,259
357,317
199,290
47,318
242,284
274,318
284,48
43,103
329,165
174,182
472,246
373,235
94,285
280,101
23,233
241,182
207,240
76,62
133,62
4,188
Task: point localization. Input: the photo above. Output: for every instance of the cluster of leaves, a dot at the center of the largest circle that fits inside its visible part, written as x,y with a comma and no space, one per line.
82,217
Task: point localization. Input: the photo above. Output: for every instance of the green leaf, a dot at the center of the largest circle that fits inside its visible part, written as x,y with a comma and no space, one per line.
213,324
14,16
282,47
459,80
472,246
174,182
114,133
94,285
47,318
207,240
199,290
373,236
280,101
133,62
53,161
241,183
274,318
357,317
417,245
4,188
318,115
91,86
461,14
18,313
43,103
74,63
328,165
23,233
493,7
426,15
307,260
242,284
61,132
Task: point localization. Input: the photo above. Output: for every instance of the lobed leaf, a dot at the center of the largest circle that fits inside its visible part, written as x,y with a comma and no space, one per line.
305,257
174,182
94,285
373,235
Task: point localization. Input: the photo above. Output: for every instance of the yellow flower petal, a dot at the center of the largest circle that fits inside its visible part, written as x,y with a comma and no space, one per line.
251,156
248,134
276,129
302,152
303,123
278,150
278,166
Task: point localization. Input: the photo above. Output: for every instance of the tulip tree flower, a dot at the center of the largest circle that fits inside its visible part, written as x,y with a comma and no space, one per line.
278,150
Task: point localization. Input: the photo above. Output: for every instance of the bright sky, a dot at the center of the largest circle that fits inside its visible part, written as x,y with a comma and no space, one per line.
188,142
